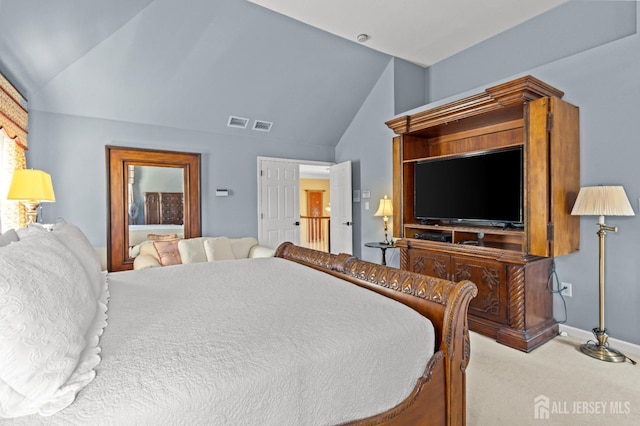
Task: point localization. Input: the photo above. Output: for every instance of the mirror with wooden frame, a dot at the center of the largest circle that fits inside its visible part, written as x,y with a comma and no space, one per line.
150,193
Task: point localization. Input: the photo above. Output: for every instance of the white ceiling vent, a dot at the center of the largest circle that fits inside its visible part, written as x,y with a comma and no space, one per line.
262,126
238,122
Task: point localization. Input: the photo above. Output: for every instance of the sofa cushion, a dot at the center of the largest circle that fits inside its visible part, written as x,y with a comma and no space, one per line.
192,250
145,261
162,237
242,246
260,251
168,252
147,248
218,248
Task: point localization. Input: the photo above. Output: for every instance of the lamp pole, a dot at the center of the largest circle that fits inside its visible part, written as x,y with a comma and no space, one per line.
601,350
601,234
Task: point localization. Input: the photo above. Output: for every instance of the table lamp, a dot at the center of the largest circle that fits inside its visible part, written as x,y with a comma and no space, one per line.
385,209
31,187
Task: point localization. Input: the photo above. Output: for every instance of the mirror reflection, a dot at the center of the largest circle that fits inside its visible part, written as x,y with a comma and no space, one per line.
155,204
150,192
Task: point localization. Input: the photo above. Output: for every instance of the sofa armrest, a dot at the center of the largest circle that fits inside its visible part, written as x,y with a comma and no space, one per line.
145,261
260,251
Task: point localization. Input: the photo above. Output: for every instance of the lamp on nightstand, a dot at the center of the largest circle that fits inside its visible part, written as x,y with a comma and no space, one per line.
385,209
602,201
31,187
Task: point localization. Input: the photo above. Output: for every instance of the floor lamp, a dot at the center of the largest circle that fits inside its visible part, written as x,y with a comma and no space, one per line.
602,201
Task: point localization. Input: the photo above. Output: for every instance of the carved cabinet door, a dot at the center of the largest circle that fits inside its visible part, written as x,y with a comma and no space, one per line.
489,277
172,208
430,263
152,208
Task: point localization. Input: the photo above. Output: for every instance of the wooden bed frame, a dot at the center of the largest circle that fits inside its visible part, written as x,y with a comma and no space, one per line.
439,397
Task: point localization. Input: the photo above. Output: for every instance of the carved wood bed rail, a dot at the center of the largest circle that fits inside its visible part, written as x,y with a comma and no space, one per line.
439,397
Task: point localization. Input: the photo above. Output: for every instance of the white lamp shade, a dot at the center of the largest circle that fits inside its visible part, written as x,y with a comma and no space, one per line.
385,208
31,185
602,201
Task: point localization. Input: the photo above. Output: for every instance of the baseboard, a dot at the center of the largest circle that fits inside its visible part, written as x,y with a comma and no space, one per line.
626,348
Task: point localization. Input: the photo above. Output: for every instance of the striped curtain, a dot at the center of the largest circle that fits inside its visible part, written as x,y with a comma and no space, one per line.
13,143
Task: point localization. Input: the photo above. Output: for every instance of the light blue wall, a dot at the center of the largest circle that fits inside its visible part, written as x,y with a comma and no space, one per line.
367,144
573,27
409,85
72,150
604,83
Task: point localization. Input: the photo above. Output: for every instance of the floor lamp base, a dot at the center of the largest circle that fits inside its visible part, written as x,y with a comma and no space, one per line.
601,350
602,353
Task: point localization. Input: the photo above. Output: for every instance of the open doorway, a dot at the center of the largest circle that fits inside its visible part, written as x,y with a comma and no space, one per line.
315,207
282,203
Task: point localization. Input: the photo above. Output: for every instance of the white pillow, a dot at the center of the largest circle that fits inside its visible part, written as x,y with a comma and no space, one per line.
77,243
50,321
218,248
241,246
30,230
192,250
260,251
8,237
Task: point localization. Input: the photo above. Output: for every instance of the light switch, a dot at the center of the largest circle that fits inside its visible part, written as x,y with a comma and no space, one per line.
366,205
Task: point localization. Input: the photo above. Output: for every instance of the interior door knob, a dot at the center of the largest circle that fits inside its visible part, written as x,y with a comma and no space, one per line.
348,223
296,223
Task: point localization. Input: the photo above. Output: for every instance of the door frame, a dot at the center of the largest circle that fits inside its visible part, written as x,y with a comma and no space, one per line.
260,159
341,225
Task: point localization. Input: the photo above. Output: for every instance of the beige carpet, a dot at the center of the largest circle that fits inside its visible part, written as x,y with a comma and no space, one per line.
572,388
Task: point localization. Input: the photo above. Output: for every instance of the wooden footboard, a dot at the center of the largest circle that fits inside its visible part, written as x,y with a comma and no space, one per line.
439,397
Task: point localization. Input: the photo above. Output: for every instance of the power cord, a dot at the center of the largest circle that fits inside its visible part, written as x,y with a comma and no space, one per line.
553,275
393,256
550,286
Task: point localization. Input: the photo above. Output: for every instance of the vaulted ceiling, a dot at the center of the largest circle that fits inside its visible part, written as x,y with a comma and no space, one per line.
190,65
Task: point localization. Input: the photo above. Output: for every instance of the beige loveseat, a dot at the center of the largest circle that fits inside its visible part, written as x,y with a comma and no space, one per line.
200,249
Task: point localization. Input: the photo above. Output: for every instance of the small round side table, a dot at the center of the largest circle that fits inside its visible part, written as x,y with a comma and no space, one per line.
383,247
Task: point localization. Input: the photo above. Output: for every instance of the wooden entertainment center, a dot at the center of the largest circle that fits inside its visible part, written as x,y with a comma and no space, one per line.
510,266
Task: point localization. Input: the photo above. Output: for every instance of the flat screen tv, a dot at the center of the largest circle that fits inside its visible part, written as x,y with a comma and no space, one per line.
479,187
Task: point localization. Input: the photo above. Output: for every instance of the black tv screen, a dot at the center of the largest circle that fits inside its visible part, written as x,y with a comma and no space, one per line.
485,187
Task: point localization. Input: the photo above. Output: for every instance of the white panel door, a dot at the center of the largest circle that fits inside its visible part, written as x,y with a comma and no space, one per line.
279,214
341,208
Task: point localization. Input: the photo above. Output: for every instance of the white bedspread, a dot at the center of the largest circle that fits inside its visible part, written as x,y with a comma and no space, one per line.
247,342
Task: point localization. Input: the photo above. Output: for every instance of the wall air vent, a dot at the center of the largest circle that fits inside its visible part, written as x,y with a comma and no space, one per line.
262,126
238,122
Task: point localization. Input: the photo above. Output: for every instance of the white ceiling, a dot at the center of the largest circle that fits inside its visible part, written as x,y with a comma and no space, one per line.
420,31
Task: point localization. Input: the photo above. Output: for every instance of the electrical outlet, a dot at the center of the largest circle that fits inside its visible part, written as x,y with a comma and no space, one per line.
567,289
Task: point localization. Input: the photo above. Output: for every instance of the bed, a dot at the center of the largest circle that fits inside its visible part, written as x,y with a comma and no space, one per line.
301,338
